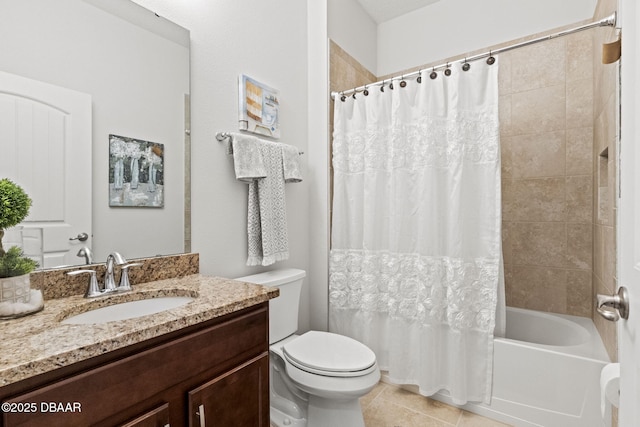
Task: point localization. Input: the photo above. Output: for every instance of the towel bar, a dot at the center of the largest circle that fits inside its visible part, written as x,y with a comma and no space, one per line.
221,136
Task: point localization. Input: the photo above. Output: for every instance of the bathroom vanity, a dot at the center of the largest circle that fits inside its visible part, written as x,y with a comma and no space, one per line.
204,361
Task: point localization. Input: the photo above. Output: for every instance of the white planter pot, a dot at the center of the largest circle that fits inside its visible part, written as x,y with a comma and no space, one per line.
15,289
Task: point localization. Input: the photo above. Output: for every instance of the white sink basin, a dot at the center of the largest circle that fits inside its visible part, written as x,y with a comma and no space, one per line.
127,310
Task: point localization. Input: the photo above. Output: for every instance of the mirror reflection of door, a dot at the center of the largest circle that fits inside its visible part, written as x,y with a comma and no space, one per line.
45,141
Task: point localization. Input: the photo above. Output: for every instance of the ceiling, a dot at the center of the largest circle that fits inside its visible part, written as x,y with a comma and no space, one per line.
384,10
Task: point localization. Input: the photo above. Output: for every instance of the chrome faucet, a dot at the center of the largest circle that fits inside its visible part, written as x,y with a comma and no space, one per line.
109,279
95,290
86,253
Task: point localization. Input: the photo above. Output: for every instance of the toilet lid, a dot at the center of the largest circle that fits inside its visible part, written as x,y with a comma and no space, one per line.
330,354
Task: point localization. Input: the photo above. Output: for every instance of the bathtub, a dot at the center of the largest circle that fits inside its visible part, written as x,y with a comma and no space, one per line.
546,372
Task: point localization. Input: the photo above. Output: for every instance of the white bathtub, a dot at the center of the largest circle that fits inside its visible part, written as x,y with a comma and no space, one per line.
546,372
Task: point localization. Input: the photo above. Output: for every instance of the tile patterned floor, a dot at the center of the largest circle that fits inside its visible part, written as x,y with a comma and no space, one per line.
391,406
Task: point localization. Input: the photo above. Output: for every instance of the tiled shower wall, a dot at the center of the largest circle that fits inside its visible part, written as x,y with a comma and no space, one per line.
546,129
605,105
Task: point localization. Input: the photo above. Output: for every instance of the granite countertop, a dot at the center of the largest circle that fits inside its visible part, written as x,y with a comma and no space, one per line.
39,343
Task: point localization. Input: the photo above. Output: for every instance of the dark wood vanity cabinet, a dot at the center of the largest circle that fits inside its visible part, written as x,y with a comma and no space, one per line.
234,398
216,371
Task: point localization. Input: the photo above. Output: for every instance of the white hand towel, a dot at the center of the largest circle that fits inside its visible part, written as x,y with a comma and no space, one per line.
247,158
291,163
267,213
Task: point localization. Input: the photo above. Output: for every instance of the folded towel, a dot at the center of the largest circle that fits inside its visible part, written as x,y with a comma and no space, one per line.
247,158
267,213
291,163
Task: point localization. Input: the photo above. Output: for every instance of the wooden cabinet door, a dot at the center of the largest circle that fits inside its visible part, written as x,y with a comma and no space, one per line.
158,417
237,398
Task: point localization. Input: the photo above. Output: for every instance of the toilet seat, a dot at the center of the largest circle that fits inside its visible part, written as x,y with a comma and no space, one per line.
331,355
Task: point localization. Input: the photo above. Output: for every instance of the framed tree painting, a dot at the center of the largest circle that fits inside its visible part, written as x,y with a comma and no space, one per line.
136,172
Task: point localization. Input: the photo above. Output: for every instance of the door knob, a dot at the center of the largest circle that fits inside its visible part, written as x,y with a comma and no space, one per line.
618,302
82,237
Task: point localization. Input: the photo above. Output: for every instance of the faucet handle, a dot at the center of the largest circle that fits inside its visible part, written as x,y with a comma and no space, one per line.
125,285
93,290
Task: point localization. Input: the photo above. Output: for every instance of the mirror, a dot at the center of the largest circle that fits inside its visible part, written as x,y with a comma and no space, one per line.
134,65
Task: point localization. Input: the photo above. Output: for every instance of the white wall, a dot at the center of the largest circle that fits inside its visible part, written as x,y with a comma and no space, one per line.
453,27
318,164
72,44
267,41
354,31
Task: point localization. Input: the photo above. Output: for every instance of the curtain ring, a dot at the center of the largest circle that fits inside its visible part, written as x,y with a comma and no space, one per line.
419,79
433,74
402,82
354,95
382,87
447,71
491,60
391,84
466,65
365,91
342,97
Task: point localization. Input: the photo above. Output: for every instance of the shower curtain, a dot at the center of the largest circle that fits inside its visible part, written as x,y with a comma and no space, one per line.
415,261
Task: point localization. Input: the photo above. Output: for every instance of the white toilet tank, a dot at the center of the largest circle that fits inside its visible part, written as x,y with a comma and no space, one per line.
283,310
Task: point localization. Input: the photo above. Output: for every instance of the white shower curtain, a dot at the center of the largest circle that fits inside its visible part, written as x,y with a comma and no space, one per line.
415,262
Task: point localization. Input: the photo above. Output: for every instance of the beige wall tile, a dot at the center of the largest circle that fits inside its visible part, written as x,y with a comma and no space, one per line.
579,151
579,246
579,103
538,155
540,200
540,244
580,56
506,161
579,293
608,256
598,251
605,8
536,66
504,115
539,288
579,198
610,123
603,74
538,110
611,190
509,289
504,74
599,137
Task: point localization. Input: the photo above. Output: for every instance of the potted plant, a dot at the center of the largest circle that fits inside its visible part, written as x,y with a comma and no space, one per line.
14,266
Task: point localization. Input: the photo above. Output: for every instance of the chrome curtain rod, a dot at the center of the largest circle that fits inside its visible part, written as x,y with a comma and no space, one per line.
609,21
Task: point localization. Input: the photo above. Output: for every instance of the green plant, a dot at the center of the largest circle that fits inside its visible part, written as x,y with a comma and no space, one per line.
14,206
14,263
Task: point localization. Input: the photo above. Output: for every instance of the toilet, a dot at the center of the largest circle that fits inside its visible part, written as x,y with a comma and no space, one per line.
317,378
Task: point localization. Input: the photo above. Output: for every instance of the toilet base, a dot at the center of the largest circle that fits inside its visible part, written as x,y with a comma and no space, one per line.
280,419
331,412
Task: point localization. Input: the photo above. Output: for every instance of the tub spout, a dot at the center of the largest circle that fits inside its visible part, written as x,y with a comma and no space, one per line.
618,302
